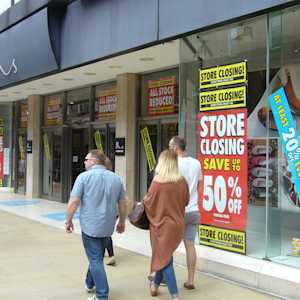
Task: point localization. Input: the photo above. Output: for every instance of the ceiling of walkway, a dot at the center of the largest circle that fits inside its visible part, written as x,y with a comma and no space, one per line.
153,58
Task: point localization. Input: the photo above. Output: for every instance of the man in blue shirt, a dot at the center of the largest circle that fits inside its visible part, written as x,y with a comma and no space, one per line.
101,196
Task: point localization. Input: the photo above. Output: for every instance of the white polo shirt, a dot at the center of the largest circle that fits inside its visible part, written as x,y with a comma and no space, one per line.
190,169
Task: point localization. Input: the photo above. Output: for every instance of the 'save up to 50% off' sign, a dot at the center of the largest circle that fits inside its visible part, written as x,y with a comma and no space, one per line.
215,193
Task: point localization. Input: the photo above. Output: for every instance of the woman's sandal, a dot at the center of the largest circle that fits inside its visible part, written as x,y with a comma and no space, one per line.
153,289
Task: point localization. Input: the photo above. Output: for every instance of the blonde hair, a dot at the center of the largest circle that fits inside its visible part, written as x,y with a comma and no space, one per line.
167,167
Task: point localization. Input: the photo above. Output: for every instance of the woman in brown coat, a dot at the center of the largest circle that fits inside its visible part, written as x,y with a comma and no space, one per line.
165,204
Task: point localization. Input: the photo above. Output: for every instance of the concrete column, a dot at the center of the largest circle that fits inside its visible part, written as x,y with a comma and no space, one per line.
125,166
33,134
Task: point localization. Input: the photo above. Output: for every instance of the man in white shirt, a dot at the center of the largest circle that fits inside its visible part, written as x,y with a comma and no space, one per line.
190,169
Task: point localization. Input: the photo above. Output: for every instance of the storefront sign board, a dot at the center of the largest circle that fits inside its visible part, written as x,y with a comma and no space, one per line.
148,148
288,134
222,152
162,96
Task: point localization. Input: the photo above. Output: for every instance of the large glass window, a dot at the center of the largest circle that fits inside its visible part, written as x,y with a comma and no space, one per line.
284,60
231,44
271,46
78,106
4,5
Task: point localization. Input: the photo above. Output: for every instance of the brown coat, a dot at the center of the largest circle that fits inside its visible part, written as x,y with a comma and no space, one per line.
165,206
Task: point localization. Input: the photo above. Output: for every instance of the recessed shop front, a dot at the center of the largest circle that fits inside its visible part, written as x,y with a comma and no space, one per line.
74,122
158,121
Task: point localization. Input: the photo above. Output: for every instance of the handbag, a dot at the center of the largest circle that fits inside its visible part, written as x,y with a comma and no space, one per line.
138,216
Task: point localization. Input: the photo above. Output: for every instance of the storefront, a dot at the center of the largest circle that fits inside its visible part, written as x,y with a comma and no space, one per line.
136,97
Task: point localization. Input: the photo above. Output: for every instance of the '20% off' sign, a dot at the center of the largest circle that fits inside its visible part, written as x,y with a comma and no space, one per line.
216,192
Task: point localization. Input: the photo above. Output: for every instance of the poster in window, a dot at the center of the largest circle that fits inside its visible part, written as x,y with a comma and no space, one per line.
53,112
106,104
23,115
162,96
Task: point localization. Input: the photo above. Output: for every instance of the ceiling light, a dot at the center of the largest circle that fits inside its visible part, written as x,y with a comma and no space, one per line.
3,95
90,73
146,58
31,88
68,79
16,92
115,67
47,84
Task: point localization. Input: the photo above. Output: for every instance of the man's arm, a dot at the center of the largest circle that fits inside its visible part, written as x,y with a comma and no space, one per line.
122,204
71,209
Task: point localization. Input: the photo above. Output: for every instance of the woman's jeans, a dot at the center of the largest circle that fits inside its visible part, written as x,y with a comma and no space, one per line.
169,275
96,276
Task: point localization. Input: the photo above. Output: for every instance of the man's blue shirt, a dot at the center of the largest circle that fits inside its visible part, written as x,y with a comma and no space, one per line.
99,191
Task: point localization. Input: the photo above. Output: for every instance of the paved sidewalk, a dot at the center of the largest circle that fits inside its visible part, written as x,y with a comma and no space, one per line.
40,262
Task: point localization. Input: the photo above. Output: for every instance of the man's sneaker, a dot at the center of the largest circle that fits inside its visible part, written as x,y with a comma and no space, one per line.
90,290
111,261
92,298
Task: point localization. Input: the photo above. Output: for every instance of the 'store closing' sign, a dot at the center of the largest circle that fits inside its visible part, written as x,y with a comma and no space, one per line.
223,156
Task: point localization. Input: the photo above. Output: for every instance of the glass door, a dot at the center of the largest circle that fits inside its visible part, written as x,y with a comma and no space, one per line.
80,147
20,186
52,154
160,132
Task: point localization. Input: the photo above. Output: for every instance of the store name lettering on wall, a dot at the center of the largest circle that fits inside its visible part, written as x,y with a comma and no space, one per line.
13,69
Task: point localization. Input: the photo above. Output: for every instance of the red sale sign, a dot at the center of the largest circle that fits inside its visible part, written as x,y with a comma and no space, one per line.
162,96
223,155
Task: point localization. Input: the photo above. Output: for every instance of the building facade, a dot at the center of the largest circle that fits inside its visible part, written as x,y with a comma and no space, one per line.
124,77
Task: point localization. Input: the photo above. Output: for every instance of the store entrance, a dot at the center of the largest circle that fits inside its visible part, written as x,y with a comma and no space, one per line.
160,132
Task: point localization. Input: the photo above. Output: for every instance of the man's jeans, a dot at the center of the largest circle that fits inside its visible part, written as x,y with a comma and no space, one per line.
96,275
169,275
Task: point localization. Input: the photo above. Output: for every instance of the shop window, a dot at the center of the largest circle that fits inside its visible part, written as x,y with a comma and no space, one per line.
238,42
78,106
284,226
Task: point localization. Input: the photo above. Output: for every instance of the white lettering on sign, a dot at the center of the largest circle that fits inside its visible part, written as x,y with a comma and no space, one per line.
13,68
